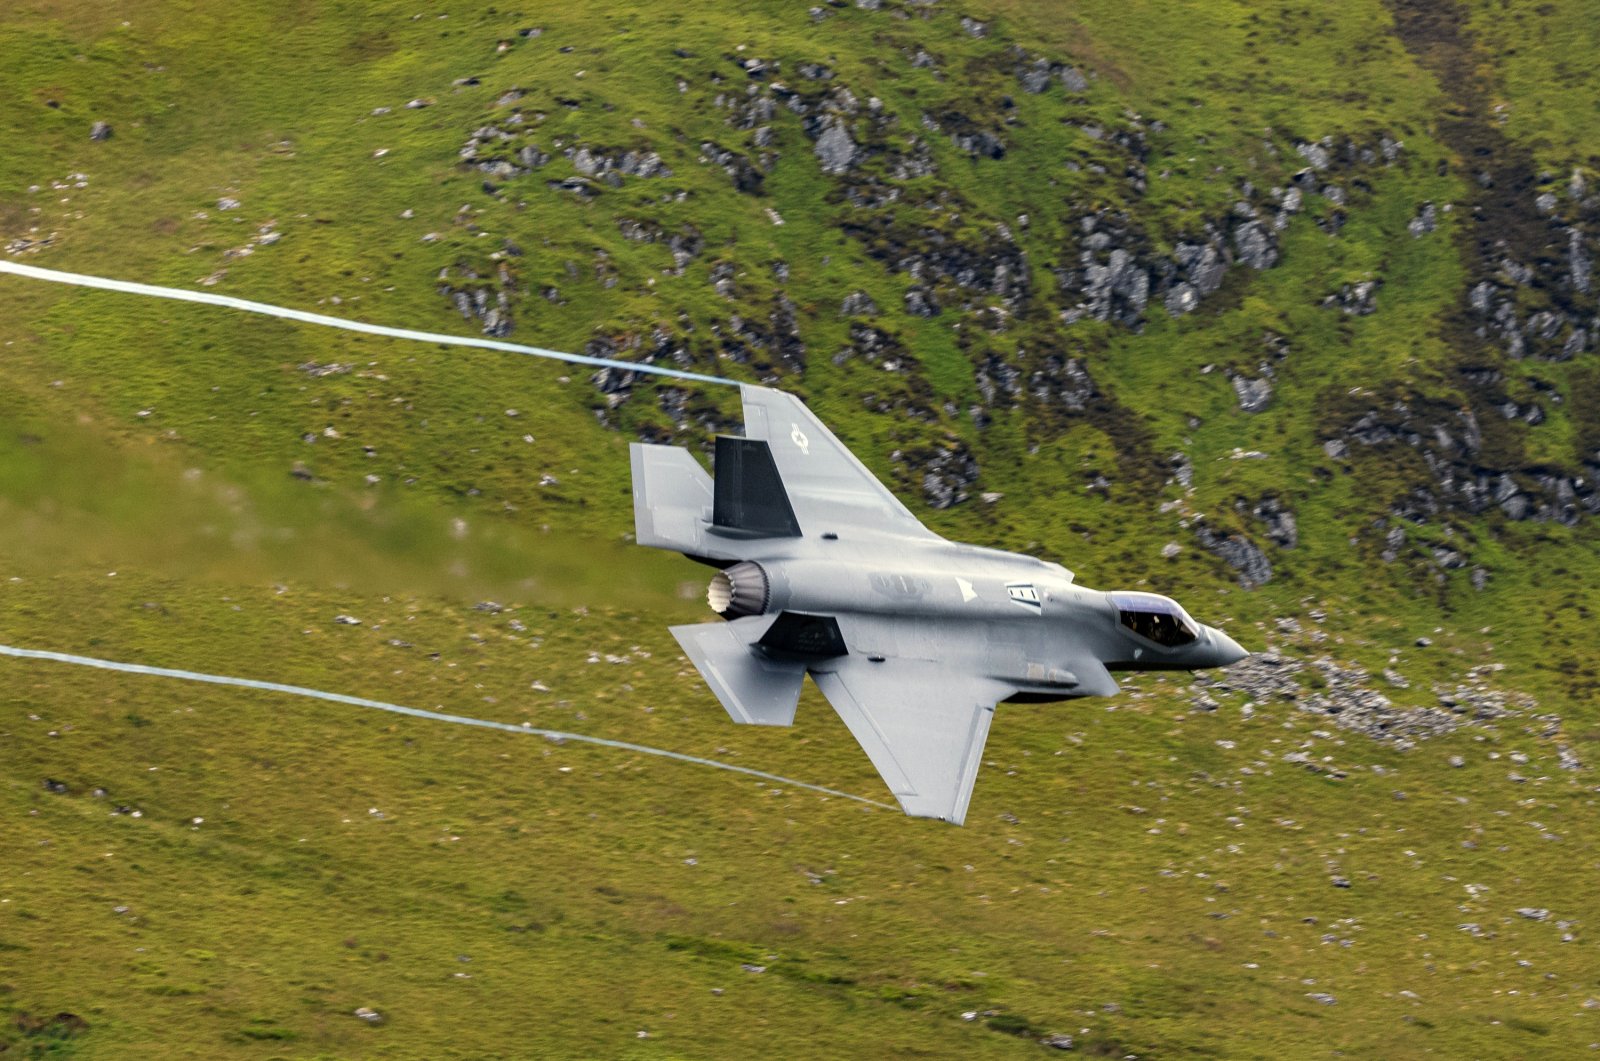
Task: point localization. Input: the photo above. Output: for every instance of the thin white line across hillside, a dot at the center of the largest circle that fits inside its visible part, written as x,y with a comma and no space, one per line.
179,294
415,712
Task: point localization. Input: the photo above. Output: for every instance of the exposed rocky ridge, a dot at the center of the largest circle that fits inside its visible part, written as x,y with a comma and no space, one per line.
975,272
1465,472
1347,695
1528,240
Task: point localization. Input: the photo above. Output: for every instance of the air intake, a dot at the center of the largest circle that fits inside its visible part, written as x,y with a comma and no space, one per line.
738,591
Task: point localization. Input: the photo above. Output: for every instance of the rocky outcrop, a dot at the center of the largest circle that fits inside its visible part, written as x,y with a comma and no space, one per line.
875,346
1063,382
746,176
1536,300
1253,394
1356,300
1347,696
835,149
484,298
948,475
1278,521
1462,472
1238,552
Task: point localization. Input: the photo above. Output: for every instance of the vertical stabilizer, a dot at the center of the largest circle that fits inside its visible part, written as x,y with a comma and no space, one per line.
750,501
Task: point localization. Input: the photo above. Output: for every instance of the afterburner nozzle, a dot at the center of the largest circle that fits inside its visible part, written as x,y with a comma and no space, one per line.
739,590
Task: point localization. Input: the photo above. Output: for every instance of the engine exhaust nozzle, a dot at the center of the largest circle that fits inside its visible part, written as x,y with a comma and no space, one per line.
738,591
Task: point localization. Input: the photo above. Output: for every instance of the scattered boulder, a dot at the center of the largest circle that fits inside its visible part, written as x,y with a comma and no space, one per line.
858,304
835,148
1239,553
921,303
1426,221
100,131
1253,394
949,476
1279,520
1356,300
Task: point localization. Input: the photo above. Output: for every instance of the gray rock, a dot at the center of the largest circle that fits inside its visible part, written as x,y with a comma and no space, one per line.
974,28
371,1016
1281,525
1336,449
1182,298
949,476
1579,261
100,131
1239,553
858,304
1426,221
1057,1041
1533,913
921,303
1182,469
1322,997
1035,77
1253,394
1074,80
1255,246
1546,203
835,149
1356,300
1315,155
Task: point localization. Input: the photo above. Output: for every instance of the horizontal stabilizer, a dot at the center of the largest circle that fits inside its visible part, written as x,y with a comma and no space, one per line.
753,688
750,499
672,500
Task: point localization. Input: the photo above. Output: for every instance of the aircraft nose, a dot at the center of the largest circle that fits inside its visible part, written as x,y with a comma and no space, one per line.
1227,649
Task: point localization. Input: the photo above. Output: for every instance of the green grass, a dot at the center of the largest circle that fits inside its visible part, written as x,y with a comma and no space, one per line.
175,490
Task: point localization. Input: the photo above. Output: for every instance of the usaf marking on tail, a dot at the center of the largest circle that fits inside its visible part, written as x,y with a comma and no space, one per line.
912,638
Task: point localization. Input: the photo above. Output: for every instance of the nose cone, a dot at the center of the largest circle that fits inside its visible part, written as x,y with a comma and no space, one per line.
1226,649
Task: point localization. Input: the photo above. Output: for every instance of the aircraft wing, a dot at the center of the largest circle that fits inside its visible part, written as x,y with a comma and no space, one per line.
923,723
829,488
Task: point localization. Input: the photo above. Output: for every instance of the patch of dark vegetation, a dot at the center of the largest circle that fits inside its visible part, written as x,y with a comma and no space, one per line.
39,1036
1528,247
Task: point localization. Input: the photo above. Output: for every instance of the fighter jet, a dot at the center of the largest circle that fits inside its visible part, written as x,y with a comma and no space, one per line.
912,638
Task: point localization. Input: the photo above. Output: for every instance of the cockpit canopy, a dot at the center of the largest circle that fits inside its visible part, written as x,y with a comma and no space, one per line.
1155,618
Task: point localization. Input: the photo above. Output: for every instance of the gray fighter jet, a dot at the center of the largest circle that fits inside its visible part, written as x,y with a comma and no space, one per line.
913,639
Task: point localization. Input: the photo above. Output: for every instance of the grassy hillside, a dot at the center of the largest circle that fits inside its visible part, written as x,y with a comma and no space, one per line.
1260,305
